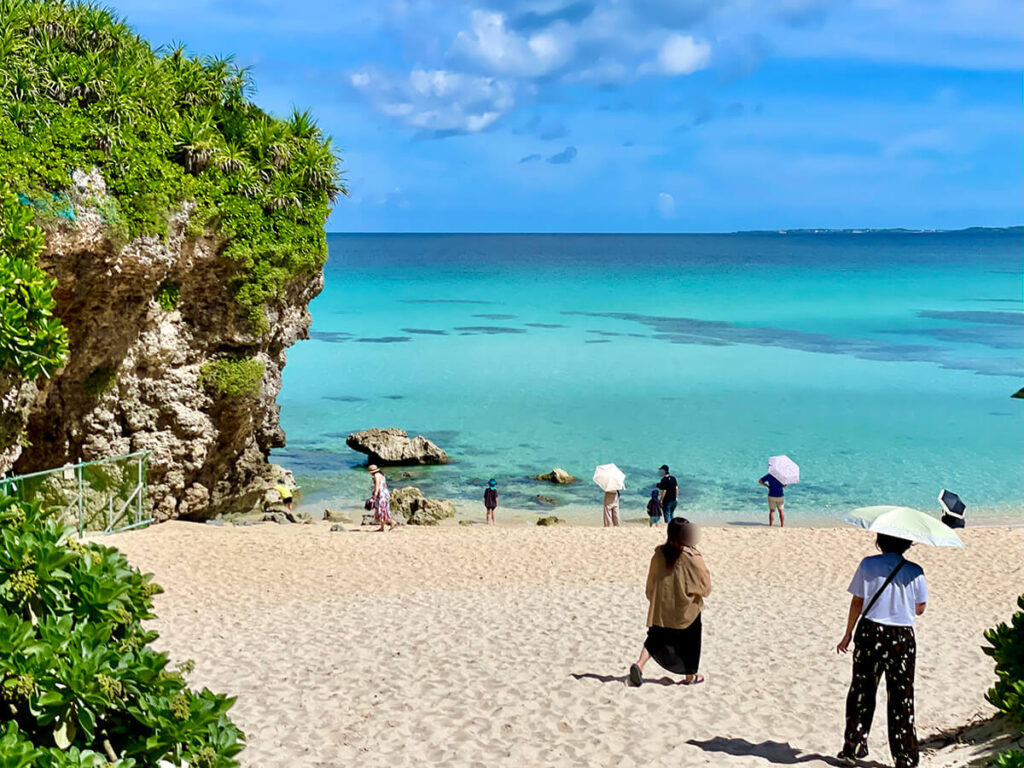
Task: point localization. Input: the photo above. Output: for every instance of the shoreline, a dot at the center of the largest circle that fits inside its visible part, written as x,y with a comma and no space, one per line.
471,513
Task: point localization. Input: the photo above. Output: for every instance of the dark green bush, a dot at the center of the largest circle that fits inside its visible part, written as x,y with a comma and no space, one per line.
80,684
1006,647
232,378
1012,759
78,89
32,340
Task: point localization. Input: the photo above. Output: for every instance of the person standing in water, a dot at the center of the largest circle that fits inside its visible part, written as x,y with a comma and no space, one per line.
491,499
896,593
677,583
669,492
381,500
776,501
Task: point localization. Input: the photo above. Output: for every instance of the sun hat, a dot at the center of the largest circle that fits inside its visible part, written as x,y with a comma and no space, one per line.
492,482
373,468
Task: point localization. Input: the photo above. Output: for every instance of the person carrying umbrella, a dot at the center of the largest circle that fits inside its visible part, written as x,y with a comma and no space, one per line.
610,479
782,471
888,593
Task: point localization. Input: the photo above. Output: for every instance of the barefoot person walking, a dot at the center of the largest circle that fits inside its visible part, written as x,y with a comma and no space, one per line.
677,583
381,500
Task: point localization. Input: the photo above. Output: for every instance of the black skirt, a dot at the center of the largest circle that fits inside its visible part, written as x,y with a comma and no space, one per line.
676,650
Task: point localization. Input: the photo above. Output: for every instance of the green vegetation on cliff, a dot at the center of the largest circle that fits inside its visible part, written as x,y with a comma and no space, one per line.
80,684
78,89
32,340
232,378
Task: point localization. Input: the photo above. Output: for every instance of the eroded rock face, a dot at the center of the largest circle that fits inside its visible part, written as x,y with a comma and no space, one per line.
392,446
419,510
132,378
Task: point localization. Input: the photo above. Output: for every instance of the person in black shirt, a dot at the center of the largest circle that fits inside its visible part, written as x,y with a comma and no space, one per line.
491,499
669,492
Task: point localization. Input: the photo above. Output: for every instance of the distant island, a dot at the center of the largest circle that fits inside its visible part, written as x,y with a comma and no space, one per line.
881,231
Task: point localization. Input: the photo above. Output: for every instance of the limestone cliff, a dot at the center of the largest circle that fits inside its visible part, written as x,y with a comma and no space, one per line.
132,380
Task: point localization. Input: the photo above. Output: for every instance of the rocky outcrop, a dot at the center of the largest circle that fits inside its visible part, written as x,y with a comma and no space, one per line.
557,476
419,510
389,447
132,381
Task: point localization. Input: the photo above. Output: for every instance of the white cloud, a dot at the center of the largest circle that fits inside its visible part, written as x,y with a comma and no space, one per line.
682,55
437,100
666,205
490,44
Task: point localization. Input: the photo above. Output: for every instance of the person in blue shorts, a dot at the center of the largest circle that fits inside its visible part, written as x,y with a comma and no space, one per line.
776,501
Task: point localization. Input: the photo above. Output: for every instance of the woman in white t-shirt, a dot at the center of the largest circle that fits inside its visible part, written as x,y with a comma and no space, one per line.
884,643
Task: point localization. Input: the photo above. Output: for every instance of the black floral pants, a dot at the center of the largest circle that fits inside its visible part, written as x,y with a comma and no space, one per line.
879,648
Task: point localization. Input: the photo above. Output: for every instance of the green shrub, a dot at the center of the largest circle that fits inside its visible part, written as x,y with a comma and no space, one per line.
32,340
1014,758
100,380
168,296
79,681
79,89
1006,647
232,378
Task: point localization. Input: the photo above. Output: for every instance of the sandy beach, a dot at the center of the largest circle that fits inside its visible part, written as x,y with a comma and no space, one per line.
509,646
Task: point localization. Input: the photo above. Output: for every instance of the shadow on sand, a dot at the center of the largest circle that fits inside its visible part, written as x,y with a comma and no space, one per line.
775,752
622,679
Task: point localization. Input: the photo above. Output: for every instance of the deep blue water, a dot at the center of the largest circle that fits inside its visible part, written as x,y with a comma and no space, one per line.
882,362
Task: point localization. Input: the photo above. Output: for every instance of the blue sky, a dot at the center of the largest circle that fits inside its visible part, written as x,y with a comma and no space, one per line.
641,115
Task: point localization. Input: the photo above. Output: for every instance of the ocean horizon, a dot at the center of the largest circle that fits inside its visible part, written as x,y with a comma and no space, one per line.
882,361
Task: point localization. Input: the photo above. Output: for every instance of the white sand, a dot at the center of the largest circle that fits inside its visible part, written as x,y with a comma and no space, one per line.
509,646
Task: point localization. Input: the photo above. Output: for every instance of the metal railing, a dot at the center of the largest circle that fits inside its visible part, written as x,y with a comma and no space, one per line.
106,495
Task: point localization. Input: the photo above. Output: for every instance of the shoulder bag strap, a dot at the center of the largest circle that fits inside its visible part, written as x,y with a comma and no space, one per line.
888,581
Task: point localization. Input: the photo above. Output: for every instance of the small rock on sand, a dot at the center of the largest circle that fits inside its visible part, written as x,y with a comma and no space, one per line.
336,516
550,520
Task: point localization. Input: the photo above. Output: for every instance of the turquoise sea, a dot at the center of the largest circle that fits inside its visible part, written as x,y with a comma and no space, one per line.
882,362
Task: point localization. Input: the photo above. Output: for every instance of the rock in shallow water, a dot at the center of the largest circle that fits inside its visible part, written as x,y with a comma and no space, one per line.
557,476
393,446
550,520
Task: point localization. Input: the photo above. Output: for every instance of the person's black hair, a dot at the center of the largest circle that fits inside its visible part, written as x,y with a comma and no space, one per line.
664,467
679,534
654,494
892,545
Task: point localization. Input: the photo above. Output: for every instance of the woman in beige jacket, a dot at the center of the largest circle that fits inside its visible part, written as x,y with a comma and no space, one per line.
677,583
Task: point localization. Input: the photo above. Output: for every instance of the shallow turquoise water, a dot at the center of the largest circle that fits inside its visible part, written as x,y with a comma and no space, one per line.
882,363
